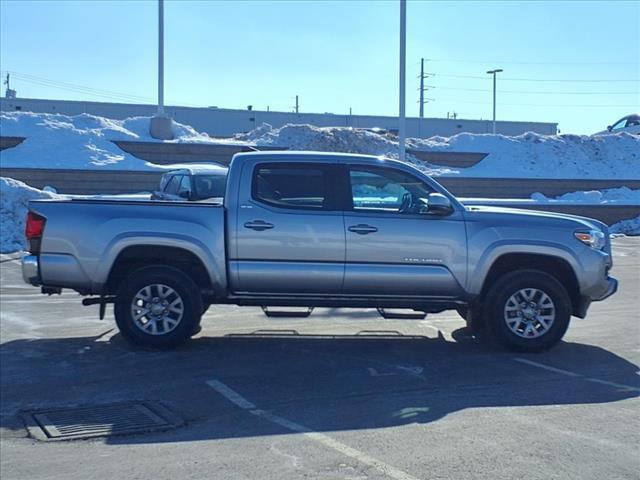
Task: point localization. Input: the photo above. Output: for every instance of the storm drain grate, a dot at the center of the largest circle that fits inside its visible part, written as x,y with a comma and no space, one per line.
99,420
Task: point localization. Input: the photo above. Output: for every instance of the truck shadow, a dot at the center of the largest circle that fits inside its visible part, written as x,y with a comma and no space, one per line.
324,382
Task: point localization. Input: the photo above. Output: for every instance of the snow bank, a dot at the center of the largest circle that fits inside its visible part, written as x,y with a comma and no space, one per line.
84,141
545,156
622,195
626,227
14,198
333,139
524,156
81,141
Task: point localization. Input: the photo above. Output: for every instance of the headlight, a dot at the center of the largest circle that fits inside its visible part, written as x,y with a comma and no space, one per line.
593,238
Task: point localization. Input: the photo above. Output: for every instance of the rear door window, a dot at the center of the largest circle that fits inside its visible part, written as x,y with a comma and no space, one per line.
289,185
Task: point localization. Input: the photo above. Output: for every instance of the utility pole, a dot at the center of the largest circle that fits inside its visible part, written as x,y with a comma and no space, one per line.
297,107
423,88
160,127
493,72
403,62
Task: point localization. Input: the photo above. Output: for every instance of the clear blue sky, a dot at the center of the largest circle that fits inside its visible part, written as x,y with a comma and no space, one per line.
335,55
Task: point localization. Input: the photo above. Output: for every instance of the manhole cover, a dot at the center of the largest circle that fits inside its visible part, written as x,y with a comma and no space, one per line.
99,420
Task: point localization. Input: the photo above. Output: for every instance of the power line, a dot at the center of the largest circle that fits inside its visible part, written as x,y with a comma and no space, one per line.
71,87
539,79
448,60
537,92
627,106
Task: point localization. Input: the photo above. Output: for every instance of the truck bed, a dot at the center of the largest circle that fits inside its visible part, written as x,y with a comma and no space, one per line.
83,237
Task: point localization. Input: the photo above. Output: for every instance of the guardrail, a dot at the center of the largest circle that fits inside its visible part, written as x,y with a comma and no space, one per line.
117,181
10,142
524,187
170,153
607,213
86,182
91,182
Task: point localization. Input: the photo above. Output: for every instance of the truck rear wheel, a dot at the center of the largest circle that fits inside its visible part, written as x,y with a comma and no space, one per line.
158,307
527,311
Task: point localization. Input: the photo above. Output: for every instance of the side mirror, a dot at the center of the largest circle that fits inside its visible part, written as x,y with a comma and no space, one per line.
609,127
436,204
184,194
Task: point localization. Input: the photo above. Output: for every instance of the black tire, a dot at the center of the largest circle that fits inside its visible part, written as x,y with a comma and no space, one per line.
185,298
517,332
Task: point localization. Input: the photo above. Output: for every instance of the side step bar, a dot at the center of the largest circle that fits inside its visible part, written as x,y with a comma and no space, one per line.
287,313
401,316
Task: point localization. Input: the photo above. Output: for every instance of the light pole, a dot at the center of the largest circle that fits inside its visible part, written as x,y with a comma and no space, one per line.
403,61
493,72
160,127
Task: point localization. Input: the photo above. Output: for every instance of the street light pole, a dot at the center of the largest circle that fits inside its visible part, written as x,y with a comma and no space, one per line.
403,61
493,72
160,126
160,57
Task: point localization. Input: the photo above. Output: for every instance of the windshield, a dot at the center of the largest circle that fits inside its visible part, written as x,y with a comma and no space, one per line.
209,186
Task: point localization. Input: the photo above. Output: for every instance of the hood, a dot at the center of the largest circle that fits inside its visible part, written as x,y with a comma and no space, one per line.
518,215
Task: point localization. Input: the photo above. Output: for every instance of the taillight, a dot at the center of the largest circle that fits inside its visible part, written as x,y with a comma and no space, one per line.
35,226
33,231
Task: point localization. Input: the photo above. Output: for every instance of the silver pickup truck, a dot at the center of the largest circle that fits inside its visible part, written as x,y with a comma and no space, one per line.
301,229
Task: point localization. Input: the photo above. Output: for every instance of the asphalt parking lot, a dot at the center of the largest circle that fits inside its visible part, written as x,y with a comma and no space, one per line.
340,395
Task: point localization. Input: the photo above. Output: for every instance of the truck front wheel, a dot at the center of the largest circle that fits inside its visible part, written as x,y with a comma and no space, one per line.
527,310
158,307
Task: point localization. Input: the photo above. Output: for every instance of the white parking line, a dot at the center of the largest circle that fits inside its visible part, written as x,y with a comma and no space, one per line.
327,441
231,395
547,367
613,384
577,375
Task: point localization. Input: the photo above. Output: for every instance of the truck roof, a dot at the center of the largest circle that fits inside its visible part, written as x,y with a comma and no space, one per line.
293,155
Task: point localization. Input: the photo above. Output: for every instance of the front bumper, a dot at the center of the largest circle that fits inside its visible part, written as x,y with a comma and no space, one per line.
581,307
612,287
31,270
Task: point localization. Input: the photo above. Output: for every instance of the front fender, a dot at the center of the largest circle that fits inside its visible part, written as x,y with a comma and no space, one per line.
499,248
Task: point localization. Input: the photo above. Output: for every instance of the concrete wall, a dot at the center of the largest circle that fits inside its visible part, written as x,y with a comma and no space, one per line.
226,122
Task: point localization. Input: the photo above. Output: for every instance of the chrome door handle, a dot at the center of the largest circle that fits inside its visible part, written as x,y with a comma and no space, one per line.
258,225
362,229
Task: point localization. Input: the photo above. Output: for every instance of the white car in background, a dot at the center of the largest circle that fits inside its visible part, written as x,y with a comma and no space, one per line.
193,183
629,124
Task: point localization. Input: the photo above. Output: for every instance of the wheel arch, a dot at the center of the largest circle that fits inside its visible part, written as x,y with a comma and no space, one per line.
556,266
133,257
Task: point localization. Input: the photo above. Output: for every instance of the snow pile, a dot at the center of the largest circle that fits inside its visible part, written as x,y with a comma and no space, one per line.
81,141
545,156
626,227
85,141
14,199
622,195
525,156
332,139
